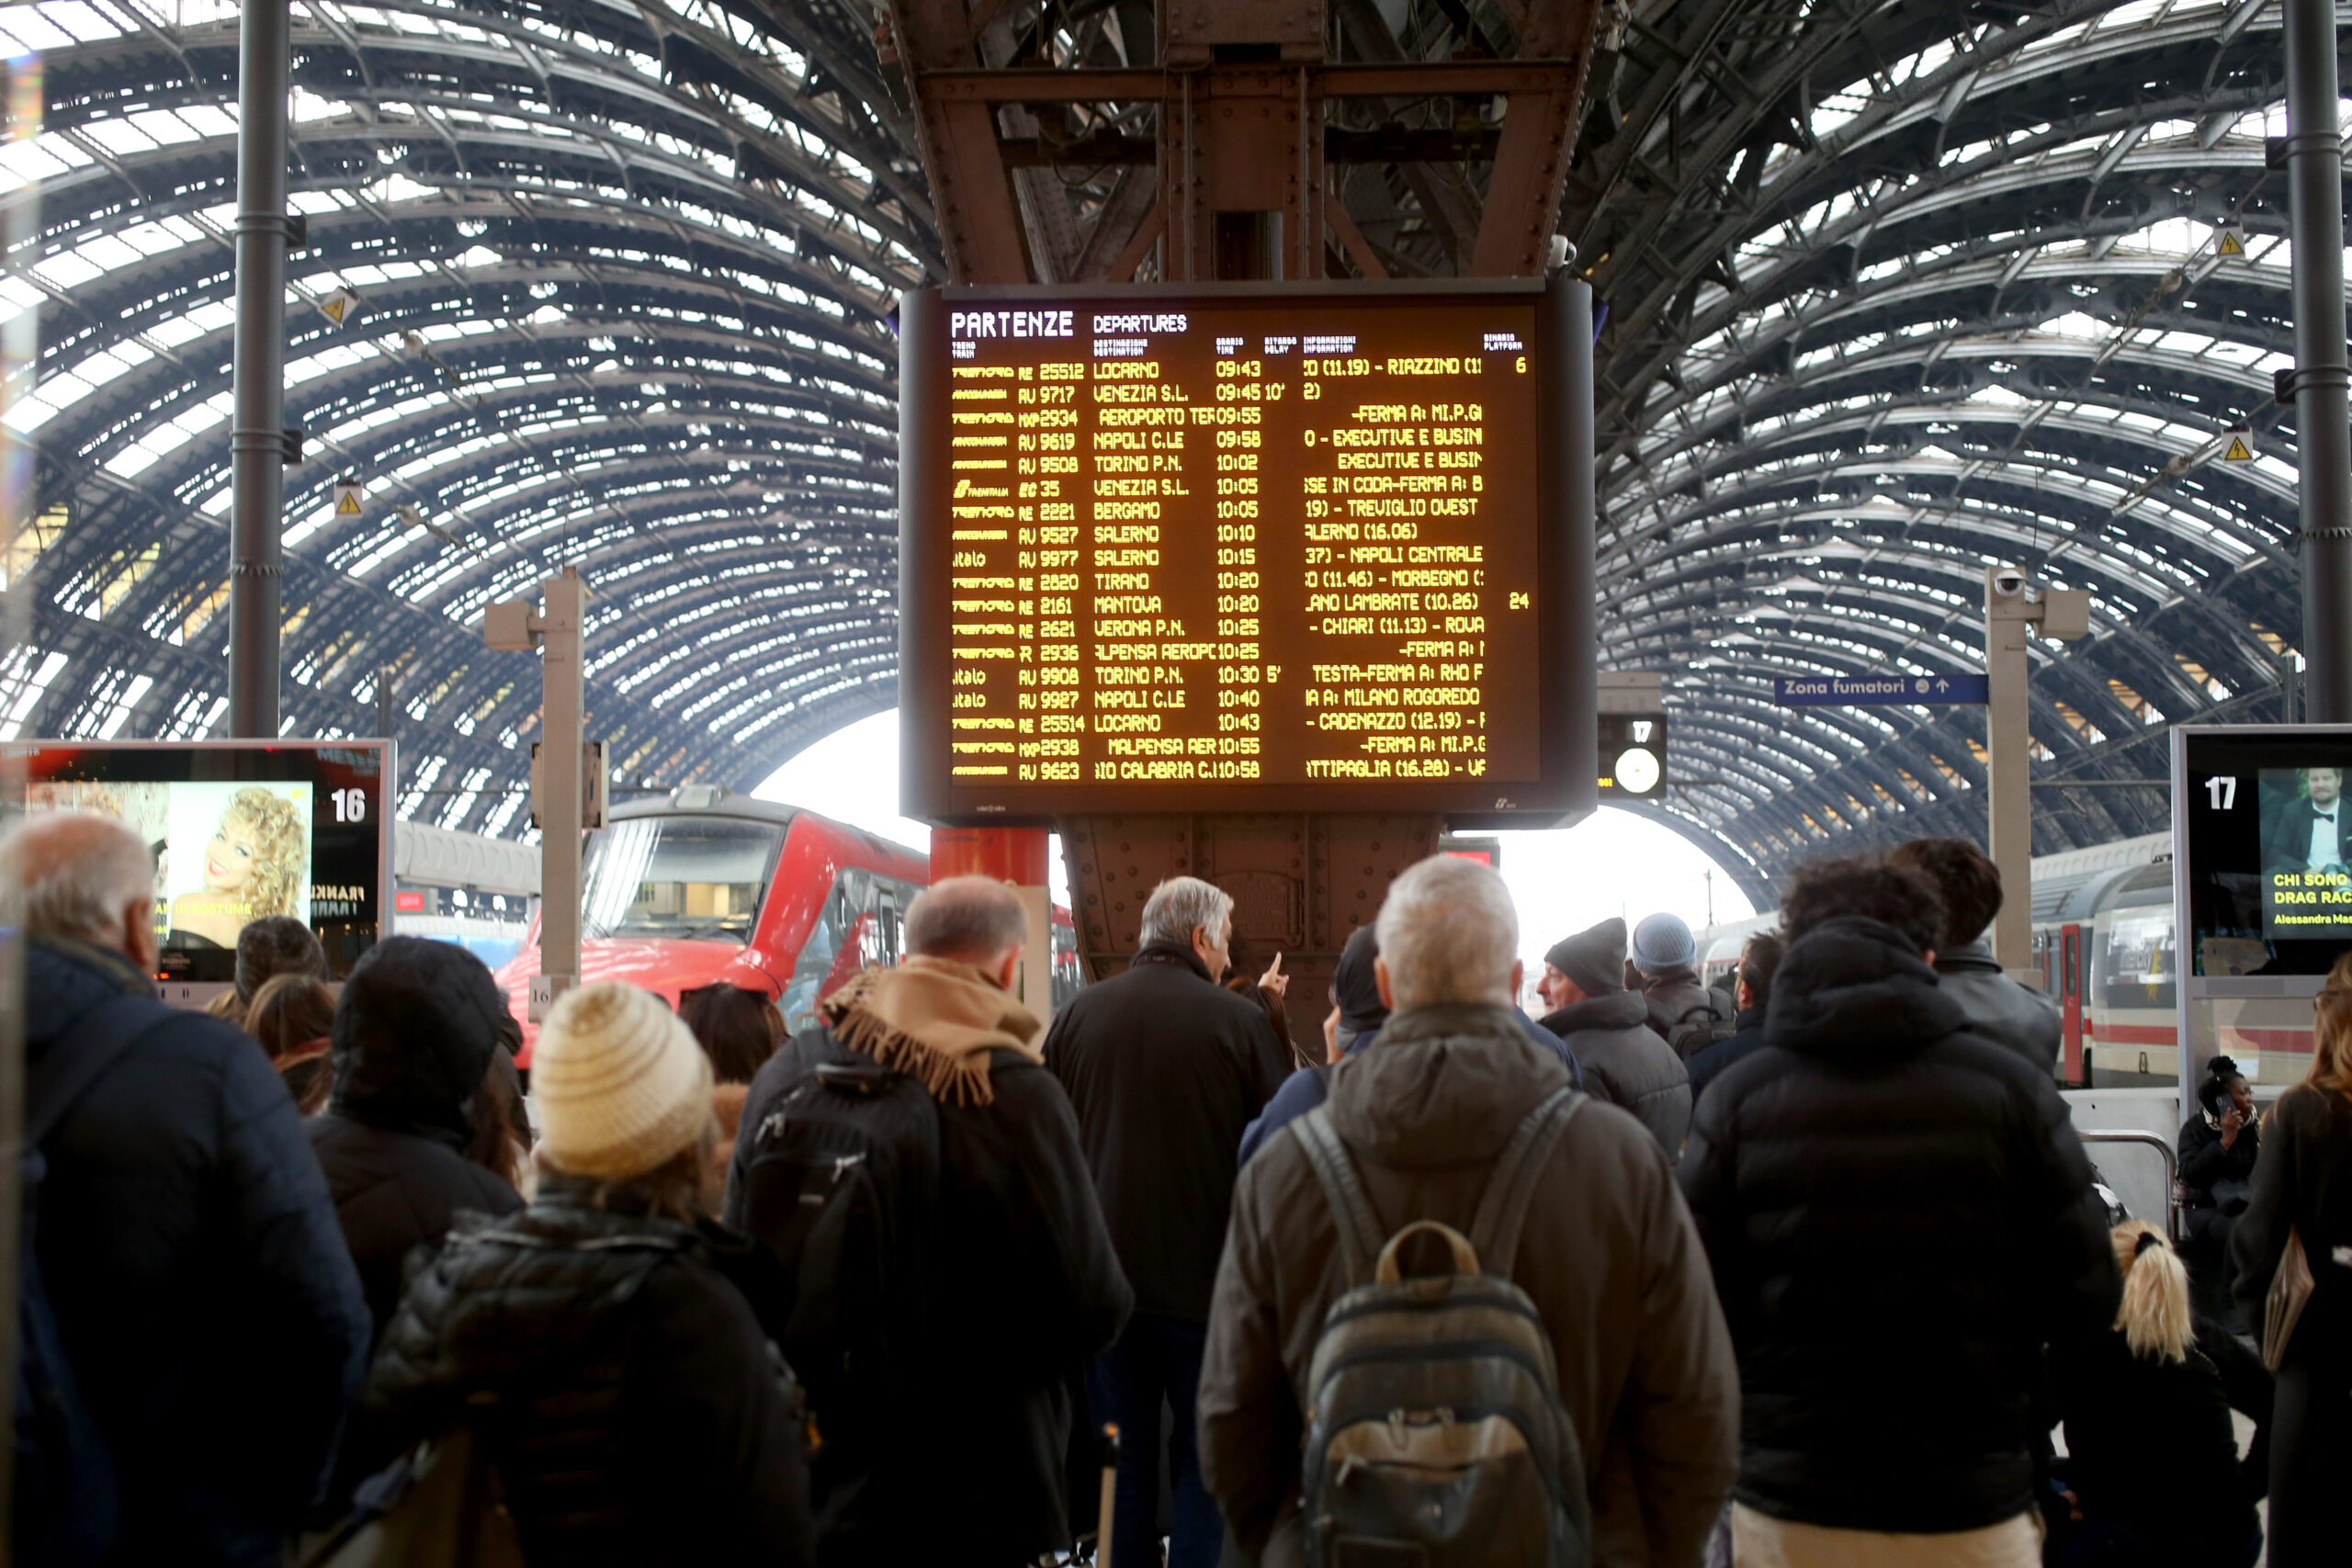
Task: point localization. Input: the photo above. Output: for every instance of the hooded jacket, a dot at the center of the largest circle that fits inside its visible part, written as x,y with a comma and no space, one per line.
1305,1090
1608,1259
634,1407
1165,1071
1998,1009
1899,1216
206,1298
414,1033
1626,1064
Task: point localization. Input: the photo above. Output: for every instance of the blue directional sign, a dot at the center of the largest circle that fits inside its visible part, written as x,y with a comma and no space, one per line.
1876,691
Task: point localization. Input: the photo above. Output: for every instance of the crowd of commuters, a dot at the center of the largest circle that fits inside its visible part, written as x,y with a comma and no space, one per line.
1803,1274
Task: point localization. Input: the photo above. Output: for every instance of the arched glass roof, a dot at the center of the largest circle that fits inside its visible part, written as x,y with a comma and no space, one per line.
1895,288
1897,291
625,275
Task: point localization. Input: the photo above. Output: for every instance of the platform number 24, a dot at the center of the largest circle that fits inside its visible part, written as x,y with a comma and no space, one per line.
350,806
2222,792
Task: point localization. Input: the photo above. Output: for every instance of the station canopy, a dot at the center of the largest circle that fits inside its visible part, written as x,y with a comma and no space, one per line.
1893,291
624,280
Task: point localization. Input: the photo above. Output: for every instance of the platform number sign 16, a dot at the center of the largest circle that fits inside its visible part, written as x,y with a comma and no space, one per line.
2222,792
350,805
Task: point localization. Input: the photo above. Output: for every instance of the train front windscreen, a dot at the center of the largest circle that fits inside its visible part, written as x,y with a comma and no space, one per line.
1288,549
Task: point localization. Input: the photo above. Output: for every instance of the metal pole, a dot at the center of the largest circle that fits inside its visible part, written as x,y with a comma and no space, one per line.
561,794
257,449
2009,763
2323,412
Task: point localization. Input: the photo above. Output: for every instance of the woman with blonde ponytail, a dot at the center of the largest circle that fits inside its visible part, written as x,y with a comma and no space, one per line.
2302,1190
2152,1460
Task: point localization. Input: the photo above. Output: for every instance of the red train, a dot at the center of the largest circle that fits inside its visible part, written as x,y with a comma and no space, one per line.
704,886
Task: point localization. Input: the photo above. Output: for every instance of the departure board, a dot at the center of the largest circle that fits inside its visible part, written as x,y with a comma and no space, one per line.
1230,549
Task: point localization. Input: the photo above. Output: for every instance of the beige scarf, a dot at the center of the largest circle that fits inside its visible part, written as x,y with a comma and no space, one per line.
935,1020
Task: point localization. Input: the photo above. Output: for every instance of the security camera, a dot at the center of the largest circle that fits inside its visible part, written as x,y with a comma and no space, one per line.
2008,582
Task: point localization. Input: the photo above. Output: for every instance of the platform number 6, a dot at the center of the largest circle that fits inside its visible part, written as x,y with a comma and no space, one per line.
2223,792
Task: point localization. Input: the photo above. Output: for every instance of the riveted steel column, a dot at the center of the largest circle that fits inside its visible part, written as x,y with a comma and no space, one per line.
2323,415
257,441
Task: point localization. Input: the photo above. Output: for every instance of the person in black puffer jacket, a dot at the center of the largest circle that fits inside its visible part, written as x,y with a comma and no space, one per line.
414,1031
634,1407
1900,1216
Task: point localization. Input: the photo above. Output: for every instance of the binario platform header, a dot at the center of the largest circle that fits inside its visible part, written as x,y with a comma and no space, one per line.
1294,549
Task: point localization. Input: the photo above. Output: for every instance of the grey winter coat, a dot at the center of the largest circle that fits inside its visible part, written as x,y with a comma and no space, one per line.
1626,1064
1998,1009
1610,1258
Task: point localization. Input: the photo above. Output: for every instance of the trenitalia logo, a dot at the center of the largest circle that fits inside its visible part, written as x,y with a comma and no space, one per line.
1011,324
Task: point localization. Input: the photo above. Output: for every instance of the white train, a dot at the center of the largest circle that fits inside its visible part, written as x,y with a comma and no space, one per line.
2104,942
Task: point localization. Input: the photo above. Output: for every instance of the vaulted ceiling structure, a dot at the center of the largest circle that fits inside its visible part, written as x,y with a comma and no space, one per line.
625,276
1894,289
1899,291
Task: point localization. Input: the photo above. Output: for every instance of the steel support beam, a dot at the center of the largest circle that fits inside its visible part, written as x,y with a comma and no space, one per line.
258,434
2322,407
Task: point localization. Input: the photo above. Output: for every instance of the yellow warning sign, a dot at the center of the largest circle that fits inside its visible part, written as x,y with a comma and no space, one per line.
2239,451
339,305
346,501
2231,243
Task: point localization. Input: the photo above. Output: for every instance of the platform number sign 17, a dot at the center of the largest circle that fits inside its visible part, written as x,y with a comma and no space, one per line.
2222,792
350,806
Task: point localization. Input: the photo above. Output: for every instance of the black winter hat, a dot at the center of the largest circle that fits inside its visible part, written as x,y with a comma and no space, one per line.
1355,987
413,1030
1594,959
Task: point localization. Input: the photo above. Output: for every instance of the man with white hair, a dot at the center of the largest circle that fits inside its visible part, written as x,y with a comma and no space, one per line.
1166,1069
205,1302
940,1447
1609,1257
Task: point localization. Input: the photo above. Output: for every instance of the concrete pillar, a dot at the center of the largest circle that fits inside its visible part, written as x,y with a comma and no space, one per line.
2008,767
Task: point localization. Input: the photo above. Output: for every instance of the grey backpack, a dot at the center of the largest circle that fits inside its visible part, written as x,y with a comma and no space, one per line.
1437,1436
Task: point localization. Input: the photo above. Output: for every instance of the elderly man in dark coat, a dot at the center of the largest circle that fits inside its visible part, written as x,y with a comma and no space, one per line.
206,1302
1606,1027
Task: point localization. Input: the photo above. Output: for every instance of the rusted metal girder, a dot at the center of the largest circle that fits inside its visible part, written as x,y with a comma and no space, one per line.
1246,108
1244,113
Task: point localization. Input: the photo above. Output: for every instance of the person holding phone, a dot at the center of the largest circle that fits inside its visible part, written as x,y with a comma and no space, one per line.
2217,1148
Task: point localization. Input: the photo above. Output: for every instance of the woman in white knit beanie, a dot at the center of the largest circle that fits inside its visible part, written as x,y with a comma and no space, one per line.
598,1341
624,1095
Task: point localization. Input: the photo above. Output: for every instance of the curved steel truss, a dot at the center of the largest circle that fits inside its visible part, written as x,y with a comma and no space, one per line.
1897,291
625,279
1895,288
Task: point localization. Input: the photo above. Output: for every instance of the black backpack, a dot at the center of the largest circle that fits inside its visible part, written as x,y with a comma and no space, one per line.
1436,1434
67,1508
1707,1024
842,1183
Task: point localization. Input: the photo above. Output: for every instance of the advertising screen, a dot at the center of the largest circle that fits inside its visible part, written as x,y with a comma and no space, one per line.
2265,879
2306,888
1300,550
238,832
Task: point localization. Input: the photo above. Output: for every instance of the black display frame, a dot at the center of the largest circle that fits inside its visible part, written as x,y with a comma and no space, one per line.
248,761
1566,784
2219,833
